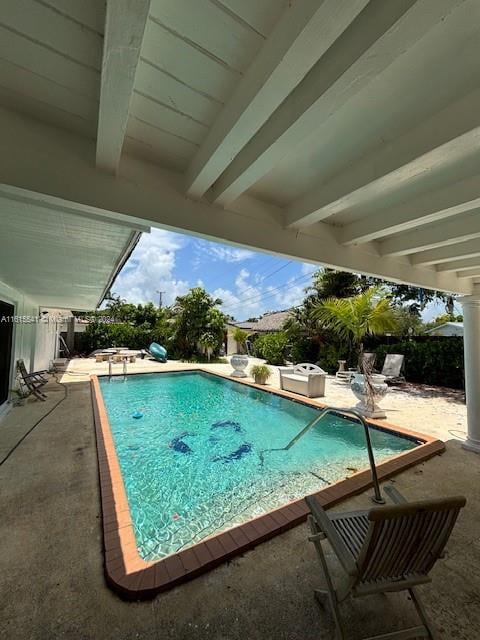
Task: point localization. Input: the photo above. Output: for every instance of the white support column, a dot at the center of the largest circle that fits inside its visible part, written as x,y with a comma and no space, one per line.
471,338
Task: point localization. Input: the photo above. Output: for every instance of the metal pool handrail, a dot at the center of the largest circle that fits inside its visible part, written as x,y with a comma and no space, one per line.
377,497
110,363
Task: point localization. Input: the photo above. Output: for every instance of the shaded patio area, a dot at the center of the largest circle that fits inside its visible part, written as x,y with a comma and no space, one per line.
52,580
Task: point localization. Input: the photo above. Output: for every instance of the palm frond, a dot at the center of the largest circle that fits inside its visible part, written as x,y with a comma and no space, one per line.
368,313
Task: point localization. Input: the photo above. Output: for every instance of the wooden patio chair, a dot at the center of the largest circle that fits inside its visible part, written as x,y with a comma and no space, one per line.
384,549
30,382
36,376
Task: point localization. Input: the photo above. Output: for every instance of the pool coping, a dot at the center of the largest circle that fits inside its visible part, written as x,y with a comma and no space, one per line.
135,578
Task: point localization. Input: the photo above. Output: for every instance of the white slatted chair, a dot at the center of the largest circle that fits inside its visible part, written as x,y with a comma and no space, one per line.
390,548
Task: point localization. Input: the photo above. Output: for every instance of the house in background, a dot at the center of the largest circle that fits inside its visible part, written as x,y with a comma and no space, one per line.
447,329
268,323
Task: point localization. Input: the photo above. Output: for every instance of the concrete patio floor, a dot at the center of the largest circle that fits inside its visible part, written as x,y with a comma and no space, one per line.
51,557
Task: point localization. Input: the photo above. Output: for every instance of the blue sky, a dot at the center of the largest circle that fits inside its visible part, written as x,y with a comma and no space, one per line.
248,282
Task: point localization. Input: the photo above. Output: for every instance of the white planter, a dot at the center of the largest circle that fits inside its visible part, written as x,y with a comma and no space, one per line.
239,363
365,406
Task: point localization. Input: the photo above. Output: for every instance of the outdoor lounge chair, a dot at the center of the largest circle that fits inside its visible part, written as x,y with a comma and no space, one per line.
31,383
389,548
393,368
305,379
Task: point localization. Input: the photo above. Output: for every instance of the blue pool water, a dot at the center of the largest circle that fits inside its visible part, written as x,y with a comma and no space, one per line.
192,464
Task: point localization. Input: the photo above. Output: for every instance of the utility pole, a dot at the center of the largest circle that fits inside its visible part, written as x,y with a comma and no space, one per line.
160,295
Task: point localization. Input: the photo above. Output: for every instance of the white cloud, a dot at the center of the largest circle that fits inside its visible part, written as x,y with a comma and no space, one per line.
288,296
307,268
150,268
211,252
245,301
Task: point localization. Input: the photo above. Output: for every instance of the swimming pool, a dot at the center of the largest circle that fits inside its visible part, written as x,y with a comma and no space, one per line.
197,461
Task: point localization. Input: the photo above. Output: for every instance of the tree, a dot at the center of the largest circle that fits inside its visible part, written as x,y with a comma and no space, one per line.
147,314
354,318
196,314
328,283
408,323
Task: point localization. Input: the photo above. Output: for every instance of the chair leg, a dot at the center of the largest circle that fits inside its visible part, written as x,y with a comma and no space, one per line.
330,591
430,627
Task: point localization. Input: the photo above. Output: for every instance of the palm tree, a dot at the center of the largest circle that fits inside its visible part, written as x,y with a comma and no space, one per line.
240,336
354,318
208,341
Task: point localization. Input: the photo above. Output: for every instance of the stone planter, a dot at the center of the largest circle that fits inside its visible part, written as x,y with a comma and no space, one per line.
261,379
380,388
239,364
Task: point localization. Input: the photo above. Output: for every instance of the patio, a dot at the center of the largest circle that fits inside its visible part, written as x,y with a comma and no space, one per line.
53,567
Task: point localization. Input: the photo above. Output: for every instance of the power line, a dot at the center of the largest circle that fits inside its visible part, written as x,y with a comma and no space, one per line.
277,270
257,273
272,292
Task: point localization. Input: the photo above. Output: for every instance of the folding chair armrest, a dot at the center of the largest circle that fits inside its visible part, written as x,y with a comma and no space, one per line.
29,376
395,495
326,526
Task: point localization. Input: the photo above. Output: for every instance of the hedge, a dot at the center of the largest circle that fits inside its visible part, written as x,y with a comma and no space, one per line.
102,336
434,360
429,360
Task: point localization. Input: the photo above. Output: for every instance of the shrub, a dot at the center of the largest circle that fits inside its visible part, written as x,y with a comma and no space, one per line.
303,349
271,348
429,360
331,353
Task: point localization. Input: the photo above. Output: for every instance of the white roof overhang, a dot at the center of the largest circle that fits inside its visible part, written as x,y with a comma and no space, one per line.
58,256
342,132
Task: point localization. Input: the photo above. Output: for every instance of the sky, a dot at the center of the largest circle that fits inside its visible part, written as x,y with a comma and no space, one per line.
248,282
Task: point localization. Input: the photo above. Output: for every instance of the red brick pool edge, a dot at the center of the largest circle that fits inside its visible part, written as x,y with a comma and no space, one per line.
132,577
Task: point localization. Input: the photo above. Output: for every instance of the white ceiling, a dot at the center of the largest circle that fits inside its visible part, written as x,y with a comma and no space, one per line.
352,120
193,55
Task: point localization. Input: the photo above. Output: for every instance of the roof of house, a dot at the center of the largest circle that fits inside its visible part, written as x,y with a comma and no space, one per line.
244,325
269,322
453,325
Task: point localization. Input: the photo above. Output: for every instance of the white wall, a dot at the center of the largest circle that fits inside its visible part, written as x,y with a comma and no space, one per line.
25,333
45,345
232,346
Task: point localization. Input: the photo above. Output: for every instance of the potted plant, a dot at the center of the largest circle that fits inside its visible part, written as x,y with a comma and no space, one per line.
239,361
368,313
261,373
